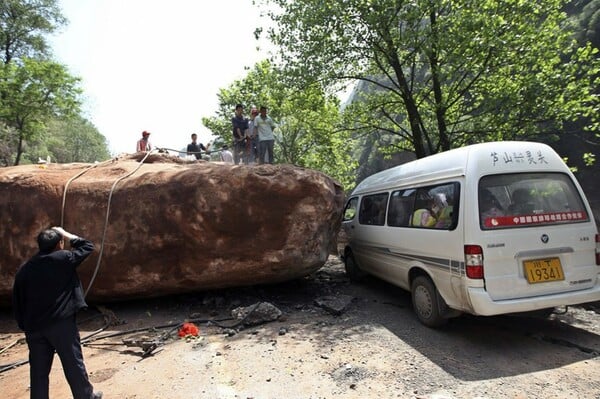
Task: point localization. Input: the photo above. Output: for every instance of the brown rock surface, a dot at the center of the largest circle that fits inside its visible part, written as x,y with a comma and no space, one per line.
172,226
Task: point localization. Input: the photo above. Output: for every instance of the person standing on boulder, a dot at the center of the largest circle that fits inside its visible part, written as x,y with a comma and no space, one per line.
240,125
143,144
226,155
266,139
251,153
195,148
47,294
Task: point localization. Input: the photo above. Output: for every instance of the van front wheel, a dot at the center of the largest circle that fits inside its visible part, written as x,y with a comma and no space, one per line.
352,269
425,302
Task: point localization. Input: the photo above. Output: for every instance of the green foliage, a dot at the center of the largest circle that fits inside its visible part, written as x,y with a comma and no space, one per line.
308,132
587,22
257,88
23,24
34,92
39,99
65,140
74,140
589,159
572,168
444,73
9,139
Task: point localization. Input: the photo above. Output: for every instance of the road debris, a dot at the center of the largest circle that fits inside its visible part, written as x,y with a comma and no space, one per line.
259,313
335,305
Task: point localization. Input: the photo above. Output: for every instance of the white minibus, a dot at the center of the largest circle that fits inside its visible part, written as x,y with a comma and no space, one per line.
487,229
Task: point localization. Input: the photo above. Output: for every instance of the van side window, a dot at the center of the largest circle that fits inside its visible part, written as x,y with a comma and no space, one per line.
430,207
400,208
528,199
372,209
350,210
435,207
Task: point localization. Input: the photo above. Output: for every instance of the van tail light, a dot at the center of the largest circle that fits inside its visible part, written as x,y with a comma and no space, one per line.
474,261
597,249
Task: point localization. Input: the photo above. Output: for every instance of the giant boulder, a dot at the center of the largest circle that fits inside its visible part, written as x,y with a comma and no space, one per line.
163,226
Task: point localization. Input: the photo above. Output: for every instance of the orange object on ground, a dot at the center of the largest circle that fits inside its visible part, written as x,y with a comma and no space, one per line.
188,329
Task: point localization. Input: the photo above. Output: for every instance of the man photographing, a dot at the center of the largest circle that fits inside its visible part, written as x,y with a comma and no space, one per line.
47,294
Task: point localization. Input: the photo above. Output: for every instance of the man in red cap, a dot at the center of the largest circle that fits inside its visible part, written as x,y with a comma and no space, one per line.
143,144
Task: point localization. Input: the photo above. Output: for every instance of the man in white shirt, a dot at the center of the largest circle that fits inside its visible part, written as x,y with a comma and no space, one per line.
226,155
266,139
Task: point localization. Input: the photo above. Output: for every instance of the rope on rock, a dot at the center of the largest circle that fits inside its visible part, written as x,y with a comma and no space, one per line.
107,208
64,199
163,149
106,220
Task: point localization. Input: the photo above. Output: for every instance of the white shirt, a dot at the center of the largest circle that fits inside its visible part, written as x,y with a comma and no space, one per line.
226,156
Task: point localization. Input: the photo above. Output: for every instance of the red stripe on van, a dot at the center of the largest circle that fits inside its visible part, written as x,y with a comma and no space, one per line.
542,218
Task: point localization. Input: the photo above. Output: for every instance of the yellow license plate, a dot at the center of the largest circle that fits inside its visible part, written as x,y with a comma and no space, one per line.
542,270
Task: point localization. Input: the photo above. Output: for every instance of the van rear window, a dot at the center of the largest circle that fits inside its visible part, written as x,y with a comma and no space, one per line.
529,199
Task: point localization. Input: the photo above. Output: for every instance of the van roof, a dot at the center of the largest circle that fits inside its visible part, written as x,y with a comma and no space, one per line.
485,158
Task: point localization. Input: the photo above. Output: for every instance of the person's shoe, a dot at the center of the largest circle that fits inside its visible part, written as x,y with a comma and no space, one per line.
97,395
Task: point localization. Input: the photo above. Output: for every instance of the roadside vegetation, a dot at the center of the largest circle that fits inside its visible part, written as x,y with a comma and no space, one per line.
426,77
40,101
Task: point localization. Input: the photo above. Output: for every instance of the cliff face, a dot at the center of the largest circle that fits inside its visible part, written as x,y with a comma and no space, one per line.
172,227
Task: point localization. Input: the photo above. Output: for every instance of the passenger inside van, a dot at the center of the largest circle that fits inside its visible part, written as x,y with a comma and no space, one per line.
442,210
522,202
489,206
427,215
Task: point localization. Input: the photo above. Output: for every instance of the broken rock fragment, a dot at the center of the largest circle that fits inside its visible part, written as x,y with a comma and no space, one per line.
259,313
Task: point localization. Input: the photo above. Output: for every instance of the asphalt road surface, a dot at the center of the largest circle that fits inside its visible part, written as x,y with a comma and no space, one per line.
334,339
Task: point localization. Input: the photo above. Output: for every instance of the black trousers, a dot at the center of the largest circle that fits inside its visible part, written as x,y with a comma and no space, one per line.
62,337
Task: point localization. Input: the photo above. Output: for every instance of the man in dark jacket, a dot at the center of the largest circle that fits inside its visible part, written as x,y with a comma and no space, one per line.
47,294
195,148
240,125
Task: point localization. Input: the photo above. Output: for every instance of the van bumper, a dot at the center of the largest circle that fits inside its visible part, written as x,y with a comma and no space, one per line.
483,305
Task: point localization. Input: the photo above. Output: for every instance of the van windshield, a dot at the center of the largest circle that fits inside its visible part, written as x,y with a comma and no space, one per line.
529,199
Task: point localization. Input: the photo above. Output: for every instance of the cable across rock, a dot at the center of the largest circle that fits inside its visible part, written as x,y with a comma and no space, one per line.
172,226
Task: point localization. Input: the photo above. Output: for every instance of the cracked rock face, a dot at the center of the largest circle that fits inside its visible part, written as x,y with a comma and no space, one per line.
171,226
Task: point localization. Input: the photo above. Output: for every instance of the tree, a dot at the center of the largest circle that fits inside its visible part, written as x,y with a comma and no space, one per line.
33,88
442,73
23,24
71,140
308,119
9,138
587,21
34,93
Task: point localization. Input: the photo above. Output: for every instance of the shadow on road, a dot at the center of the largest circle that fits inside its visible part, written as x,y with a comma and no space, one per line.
468,348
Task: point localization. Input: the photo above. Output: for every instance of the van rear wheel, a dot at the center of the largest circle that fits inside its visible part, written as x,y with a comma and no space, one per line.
352,270
425,302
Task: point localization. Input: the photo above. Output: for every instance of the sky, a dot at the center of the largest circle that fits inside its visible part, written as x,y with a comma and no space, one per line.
156,65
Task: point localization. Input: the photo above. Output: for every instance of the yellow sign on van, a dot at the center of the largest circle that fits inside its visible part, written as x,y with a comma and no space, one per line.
543,270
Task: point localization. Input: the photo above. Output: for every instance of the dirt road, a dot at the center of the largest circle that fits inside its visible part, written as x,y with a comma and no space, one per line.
373,348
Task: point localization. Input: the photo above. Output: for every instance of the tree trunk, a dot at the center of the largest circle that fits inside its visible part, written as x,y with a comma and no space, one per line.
19,150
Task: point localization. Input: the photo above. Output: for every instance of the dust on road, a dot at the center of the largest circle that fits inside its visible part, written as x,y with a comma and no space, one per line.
367,345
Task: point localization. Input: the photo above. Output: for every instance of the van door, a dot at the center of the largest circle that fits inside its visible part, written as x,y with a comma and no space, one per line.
537,235
366,230
349,218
